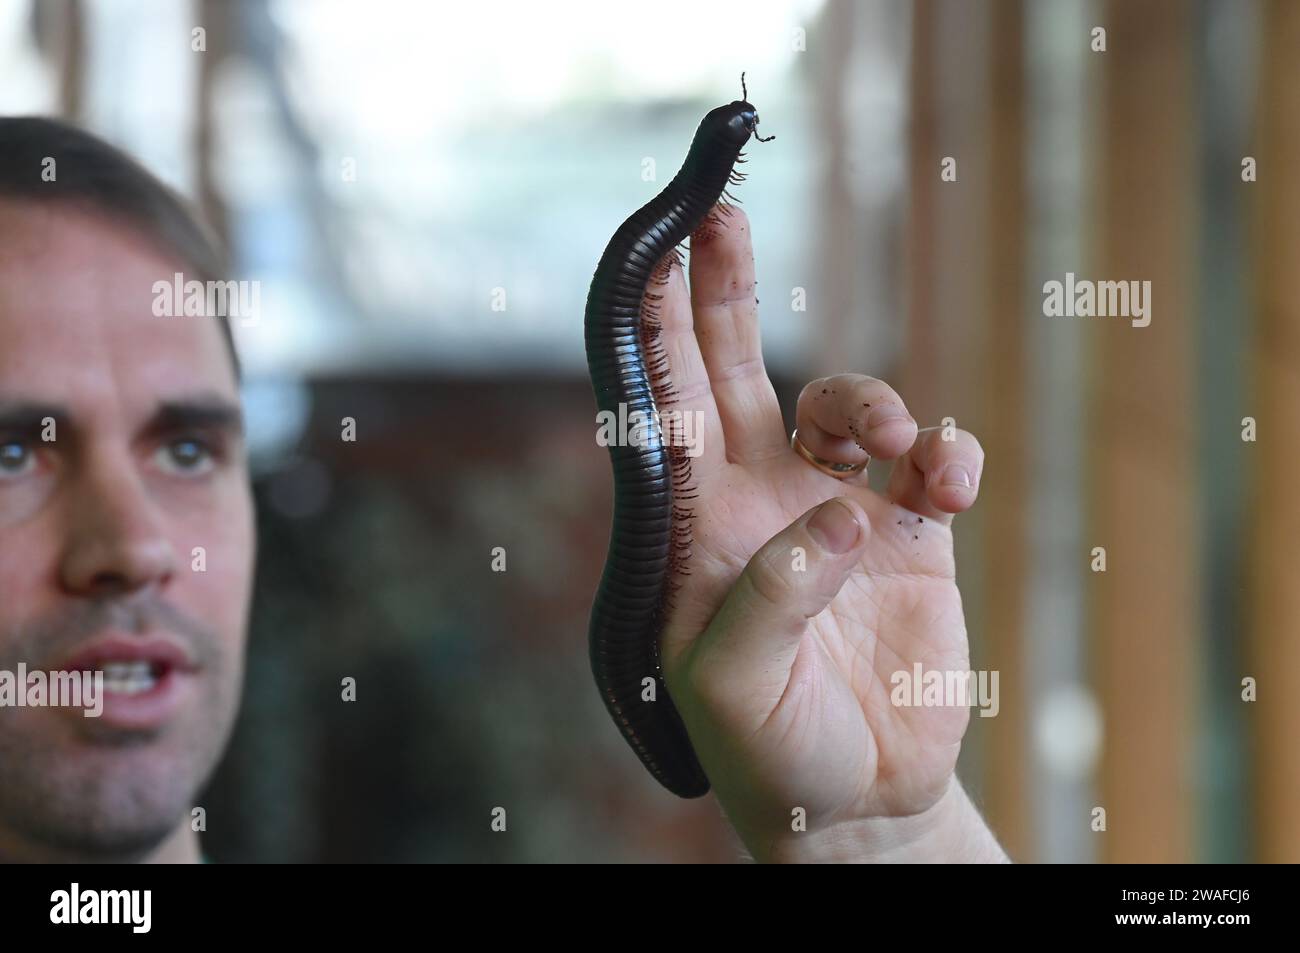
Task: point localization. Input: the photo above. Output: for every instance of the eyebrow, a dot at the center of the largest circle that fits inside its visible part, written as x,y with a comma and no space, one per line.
204,413
201,412
26,416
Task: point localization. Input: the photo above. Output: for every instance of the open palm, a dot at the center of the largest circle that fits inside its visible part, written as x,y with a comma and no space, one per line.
783,671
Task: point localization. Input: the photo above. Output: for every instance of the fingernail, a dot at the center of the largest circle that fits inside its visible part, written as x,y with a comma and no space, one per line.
955,475
884,414
835,527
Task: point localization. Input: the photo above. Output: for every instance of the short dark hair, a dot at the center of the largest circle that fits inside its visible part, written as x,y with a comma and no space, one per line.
95,176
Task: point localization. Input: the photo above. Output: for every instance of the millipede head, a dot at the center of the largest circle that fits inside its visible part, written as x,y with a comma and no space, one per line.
748,114
734,122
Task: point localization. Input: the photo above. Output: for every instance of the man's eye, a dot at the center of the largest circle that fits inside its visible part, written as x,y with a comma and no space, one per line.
16,458
186,456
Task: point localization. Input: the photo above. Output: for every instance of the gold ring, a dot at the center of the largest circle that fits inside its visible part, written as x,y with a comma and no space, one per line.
840,471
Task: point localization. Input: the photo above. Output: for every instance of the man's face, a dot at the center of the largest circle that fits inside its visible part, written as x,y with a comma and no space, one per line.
99,533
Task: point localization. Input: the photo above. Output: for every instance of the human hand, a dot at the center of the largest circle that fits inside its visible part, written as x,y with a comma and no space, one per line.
780,643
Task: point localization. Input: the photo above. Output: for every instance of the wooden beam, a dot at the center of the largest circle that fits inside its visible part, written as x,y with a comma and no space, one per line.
1005,485
1143,610
1273,641
921,238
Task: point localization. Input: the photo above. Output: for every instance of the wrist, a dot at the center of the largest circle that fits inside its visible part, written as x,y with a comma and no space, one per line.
949,831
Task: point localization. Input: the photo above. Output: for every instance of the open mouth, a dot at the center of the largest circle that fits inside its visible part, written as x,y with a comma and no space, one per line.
146,680
133,678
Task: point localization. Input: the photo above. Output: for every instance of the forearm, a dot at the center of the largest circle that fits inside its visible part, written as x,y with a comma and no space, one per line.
951,831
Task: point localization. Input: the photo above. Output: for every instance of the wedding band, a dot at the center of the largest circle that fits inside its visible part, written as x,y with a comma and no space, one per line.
840,471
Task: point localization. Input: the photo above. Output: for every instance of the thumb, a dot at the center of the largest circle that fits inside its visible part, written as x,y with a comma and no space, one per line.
751,644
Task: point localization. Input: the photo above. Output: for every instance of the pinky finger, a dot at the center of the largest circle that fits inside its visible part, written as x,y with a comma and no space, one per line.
938,477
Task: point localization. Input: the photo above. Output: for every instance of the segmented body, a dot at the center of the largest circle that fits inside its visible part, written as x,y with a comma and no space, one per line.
650,538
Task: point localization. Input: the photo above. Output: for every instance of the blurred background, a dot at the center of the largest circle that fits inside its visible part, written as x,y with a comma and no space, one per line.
423,191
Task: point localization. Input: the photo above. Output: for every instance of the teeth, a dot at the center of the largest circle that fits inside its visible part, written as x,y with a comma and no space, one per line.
128,678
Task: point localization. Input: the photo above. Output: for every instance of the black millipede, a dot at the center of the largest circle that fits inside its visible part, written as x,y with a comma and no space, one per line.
651,534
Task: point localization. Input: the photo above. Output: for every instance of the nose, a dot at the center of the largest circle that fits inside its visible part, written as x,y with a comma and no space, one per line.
116,540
